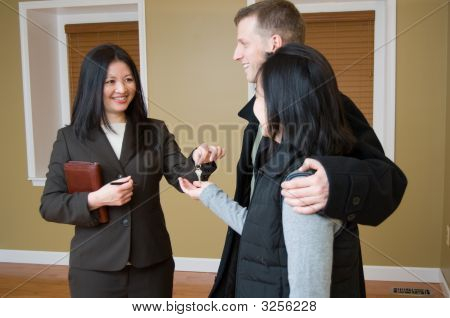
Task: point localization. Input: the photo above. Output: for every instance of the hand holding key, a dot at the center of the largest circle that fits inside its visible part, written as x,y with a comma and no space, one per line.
198,172
206,153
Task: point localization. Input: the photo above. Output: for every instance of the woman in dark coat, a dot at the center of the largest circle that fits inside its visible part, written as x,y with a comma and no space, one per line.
282,253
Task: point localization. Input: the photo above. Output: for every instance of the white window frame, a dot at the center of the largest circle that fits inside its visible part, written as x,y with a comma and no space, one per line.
384,83
49,110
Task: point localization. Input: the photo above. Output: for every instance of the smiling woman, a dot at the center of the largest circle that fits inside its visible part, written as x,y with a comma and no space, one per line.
109,90
118,91
132,255
82,37
44,50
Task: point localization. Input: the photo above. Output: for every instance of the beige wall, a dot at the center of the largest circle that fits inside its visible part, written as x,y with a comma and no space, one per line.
413,235
21,226
445,263
192,80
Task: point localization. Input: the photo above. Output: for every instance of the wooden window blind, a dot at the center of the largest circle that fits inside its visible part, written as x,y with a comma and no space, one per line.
81,38
347,41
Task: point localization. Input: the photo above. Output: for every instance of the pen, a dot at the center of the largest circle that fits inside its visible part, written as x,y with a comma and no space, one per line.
120,183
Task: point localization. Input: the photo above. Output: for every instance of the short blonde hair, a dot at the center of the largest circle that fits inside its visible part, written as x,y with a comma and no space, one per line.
277,17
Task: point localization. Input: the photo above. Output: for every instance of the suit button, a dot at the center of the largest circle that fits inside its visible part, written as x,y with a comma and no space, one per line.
119,176
125,222
351,217
356,201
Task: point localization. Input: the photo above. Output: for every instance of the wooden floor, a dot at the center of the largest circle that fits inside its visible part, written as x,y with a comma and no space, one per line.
25,280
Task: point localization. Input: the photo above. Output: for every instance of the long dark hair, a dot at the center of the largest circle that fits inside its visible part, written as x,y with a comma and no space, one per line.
88,111
303,100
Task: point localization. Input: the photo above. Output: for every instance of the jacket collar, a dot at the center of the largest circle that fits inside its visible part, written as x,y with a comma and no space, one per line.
247,112
99,145
284,155
129,145
281,160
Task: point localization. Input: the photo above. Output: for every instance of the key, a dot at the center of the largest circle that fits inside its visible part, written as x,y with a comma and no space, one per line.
198,172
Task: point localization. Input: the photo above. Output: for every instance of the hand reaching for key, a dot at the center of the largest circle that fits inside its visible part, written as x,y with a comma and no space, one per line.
194,190
206,153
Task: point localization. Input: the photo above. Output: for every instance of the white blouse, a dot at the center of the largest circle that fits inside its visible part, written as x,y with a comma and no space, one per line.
116,138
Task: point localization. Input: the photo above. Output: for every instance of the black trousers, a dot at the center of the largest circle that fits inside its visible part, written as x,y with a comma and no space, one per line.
154,281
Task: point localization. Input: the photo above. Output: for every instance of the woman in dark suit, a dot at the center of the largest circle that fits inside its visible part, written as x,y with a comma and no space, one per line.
130,256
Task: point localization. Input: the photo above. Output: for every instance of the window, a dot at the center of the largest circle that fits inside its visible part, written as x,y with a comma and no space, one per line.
347,39
45,69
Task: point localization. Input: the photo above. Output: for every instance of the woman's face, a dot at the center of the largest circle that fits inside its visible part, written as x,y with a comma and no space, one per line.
119,90
259,108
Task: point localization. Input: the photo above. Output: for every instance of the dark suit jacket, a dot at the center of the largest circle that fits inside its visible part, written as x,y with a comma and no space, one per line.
136,231
365,188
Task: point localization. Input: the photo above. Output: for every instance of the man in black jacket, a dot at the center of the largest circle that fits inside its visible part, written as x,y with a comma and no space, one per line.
361,190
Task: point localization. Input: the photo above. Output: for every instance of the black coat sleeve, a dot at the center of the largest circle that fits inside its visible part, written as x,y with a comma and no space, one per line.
56,204
176,165
365,187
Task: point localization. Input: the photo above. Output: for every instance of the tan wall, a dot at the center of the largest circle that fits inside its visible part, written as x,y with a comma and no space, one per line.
21,226
445,262
193,80
412,236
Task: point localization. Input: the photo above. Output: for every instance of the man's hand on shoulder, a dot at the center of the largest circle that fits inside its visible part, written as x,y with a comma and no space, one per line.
307,195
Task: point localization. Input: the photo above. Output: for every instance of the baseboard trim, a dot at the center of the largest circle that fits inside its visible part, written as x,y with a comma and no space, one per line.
444,286
183,264
34,257
205,265
210,265
403,274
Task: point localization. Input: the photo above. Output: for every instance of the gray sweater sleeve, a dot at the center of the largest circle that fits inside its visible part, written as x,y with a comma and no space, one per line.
224,207
308,239
309,245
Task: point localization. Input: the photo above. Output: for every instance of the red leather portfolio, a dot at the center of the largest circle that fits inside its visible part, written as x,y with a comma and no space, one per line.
83,176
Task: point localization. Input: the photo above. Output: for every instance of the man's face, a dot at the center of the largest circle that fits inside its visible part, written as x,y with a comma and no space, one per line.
251,47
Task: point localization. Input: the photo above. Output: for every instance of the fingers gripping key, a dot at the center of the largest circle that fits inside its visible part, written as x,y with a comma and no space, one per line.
198,172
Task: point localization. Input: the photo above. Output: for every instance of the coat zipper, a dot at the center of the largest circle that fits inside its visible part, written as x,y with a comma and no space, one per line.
257,178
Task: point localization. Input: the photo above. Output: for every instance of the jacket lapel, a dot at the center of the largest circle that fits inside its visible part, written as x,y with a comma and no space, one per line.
102,150
129,145
247,111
